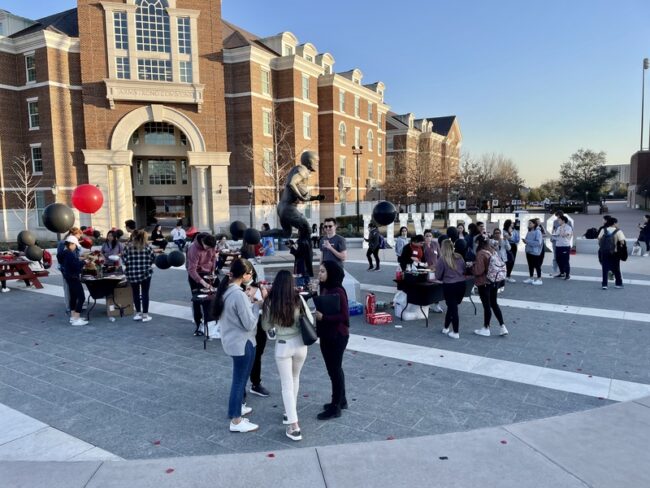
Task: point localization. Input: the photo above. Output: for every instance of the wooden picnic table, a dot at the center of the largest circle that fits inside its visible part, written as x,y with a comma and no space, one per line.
18,269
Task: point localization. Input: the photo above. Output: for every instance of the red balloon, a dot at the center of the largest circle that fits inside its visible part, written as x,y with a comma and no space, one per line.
87,198
86,243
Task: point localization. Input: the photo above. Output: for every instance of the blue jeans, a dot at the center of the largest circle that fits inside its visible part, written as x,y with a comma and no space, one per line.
241,370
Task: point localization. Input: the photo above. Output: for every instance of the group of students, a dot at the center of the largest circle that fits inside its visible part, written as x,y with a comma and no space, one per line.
243,309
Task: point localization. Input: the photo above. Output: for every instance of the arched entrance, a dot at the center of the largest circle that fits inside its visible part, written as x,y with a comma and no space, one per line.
159,151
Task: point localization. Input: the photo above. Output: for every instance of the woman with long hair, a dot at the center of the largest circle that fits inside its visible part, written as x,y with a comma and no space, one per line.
511,234
487,290
138,260
112,246
334,332
534,252
450,269
158,238
281,312
401,241
237,313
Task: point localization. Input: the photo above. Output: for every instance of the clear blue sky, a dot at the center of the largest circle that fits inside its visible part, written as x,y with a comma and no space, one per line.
534,80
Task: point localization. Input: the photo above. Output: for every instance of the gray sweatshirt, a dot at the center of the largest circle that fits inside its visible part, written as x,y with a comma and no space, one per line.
238,321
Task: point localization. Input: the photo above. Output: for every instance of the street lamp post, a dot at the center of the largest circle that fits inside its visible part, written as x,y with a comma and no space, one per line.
250,203
646,65
645,195
55,191
586,202
358,151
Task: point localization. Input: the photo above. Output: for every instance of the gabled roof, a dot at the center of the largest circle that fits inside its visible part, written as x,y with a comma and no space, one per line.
442,125
63,23
234,37
396,120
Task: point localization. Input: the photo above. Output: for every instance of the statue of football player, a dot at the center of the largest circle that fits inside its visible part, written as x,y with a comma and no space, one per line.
296,192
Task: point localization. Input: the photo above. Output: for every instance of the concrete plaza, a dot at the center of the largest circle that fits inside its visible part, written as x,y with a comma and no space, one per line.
561,397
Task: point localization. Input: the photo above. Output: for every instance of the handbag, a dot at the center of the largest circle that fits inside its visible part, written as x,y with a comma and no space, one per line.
307,328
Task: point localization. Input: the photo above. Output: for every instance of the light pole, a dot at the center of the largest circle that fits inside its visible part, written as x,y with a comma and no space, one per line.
250,203
646,65
55,191
586,202
645,195
358,151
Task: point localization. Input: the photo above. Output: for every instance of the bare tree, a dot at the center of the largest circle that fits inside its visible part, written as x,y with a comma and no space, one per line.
24,187
401,182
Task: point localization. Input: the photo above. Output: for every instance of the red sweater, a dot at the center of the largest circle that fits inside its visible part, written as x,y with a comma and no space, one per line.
335,324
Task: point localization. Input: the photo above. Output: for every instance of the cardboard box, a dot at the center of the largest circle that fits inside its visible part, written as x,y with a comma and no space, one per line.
379,318
122,298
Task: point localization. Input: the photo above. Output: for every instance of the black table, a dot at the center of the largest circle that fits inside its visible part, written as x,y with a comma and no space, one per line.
426,293
205,299
104,288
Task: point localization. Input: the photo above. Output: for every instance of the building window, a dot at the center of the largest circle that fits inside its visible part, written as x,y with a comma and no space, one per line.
152,26
135,138
154,70
186,71
39,203
182,139
120,27
390,166
357,136
309,58
184,171
159,133
342,165
162,171
123,68
305,87
341,101
30,67
371,140
391,143
380,145
37,159
342,134
184,36
378,120
327,69
139,171
266,82
266,122
306,125
357,106
288,50
267,162
32,109
369,110
380,169
370,169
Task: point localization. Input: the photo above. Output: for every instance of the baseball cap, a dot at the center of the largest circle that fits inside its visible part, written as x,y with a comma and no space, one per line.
72,239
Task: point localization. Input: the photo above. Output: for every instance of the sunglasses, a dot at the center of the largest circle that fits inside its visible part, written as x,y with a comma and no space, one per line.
328,226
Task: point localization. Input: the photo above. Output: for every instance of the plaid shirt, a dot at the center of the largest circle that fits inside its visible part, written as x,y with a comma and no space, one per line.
137,263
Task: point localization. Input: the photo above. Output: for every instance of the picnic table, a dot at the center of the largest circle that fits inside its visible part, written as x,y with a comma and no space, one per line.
18,269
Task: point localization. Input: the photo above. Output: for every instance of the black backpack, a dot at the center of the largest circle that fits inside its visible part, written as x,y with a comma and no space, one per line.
607,245
591,233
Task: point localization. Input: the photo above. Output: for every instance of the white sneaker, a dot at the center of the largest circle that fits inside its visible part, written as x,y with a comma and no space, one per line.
538,282
78,322
500,290
436,308
137,316
244,426
645,255
528,281
511,280
453,335
294,435
147,318
485,332
445,331
6,290
503,330
245,409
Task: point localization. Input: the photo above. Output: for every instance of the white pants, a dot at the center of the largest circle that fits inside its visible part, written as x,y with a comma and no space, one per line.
290,356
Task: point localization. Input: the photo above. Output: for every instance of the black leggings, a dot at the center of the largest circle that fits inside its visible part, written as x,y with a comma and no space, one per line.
453,293
370,253
488,295
510,263
535,264
260,338
77,296
333,349
140,292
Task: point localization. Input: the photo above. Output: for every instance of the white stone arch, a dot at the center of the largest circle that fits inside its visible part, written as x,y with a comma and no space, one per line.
155,113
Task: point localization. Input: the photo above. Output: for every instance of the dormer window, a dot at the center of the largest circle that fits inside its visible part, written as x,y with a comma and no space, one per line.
327,69
288,50
309,58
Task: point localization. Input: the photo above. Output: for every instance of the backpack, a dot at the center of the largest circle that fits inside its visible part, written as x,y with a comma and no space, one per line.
591,233
496,272
607,245
382,242
47,259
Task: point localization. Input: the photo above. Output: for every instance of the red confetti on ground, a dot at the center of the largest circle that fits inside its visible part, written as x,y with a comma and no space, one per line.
156,443
271,455
354,352
306,395
579,369
50,315
442,355
36,343
409,364
390,438
503,441
548,359
169,470
601,398
590,376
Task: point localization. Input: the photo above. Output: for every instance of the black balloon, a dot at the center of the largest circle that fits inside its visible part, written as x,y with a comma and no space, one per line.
58,217
176,258
252,236
162,262
34,253
27,238
237,229
384,213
